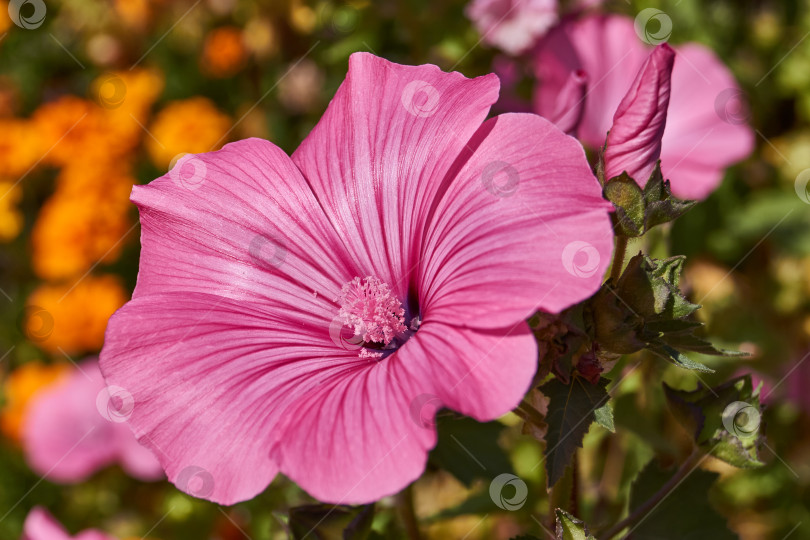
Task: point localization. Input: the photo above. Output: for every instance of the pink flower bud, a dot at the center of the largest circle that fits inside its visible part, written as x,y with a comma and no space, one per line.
634,140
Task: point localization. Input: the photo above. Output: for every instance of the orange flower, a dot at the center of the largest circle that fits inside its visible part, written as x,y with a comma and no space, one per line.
73,316
18,390
84,222
189,126
224,52
134,13
5,20
11,219
19,147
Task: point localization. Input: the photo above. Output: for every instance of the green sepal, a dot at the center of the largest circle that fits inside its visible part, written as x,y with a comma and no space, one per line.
571,528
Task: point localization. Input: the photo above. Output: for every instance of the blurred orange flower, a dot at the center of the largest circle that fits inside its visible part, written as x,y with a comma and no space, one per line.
19,147
19,388
224,52
84,222
134,13
11,220
192,125
73,317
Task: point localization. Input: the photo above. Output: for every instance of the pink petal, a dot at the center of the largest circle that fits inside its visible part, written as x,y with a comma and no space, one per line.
66,438
378,155
707,128
512,25
41,525
366,433
607,49
571,102
211,377
240,223
634,141
522,227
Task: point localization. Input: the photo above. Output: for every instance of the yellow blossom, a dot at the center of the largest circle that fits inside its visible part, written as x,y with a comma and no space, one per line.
19,388
11,220
192,125
224,52
84,222
72,317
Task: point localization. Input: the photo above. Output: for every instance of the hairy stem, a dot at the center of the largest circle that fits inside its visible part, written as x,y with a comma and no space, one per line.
618,257
641,512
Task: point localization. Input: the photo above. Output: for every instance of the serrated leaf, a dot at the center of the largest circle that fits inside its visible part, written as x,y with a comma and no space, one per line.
604,417
571,411
571,528
660,205
678,358
469,449
684,513
711,416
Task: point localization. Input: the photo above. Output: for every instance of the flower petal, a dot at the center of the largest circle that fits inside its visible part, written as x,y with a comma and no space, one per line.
378,155
240,223
366,433
708,128
210,377
522,227
67,439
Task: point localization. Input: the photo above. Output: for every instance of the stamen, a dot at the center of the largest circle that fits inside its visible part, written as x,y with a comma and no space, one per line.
371,310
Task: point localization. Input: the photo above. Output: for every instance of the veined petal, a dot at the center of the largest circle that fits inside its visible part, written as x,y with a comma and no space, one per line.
210,379
366,434
521,227
378,155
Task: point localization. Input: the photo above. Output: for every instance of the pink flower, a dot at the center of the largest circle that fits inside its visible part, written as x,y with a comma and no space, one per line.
298,315
634,141
40,525
512,25
706,129
76,427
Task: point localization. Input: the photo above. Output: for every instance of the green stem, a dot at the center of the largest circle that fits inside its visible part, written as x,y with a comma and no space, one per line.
618,258
408,514
641,512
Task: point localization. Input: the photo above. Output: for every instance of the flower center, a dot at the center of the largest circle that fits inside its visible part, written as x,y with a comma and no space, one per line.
370,308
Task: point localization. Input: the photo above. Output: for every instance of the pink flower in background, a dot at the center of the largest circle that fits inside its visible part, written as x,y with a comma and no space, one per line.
706,128
405,220
512,25
40,525
74,428
634,142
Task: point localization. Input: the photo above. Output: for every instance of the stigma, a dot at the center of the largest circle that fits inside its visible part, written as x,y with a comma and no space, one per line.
371,310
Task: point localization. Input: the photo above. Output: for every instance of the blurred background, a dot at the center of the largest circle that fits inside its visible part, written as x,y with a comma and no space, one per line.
96,96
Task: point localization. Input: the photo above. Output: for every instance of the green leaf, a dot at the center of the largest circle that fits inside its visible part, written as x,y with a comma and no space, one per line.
684,513
570,528
677,358
660,205
331,522
724,421
469,449
628,200
604,417
571,410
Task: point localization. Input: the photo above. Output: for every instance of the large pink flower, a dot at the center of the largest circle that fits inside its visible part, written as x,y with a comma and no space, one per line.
77,426
402,222
706,129
40,525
